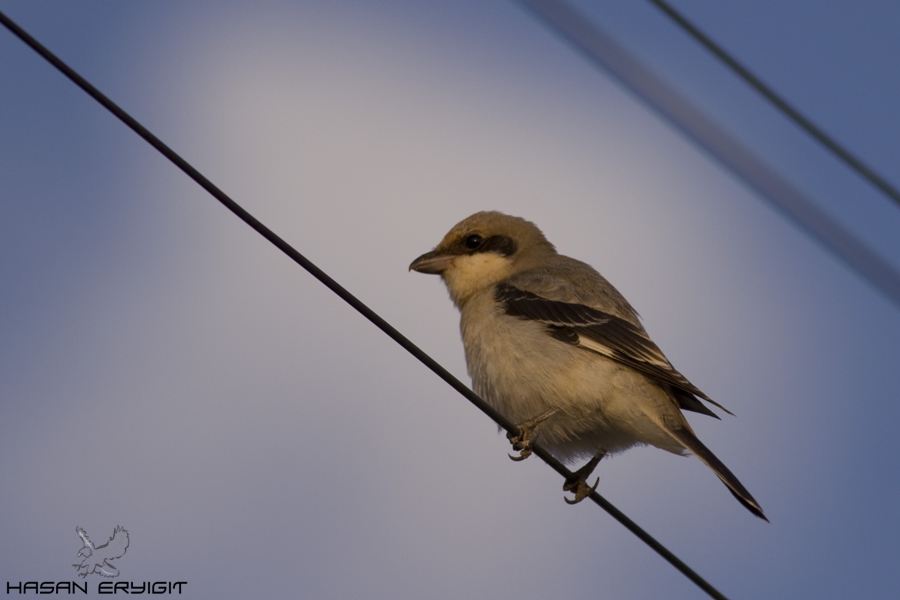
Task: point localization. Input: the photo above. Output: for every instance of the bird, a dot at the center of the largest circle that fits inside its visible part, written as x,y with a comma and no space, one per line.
96,559
556,349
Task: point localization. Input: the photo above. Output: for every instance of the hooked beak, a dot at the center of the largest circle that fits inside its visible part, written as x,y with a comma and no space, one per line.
433,263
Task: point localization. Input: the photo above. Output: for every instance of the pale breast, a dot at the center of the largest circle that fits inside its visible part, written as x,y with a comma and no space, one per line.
522,371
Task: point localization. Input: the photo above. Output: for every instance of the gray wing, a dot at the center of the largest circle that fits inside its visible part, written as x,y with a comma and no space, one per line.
84,537
605,334
117,544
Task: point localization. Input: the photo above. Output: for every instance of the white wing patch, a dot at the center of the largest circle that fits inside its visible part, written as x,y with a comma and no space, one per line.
657,360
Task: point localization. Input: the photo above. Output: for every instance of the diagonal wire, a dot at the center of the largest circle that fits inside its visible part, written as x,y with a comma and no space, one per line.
781,104
600,49
349,298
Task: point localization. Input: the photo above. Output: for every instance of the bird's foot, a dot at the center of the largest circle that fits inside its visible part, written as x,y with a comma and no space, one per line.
521,443
580,488
577,483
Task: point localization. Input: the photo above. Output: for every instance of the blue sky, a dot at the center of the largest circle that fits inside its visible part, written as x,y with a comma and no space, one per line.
164,368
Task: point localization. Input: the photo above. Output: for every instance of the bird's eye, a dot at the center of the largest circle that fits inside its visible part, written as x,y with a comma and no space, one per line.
474,241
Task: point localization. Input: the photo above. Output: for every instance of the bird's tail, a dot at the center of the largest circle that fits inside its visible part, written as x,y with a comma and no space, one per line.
690,441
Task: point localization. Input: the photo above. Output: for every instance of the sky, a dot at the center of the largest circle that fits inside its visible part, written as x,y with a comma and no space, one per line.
164,368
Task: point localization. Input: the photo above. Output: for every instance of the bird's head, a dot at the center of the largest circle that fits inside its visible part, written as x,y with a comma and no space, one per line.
483,250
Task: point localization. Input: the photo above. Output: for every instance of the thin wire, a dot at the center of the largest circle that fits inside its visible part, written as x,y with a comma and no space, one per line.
347,297
601,50
781,104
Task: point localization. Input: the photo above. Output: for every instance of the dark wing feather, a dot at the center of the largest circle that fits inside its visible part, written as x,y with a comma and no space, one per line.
604,334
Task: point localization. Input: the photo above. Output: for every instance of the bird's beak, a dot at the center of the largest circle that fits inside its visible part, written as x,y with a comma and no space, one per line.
433,262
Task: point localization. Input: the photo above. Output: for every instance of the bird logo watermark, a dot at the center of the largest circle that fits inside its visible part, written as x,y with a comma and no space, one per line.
98,559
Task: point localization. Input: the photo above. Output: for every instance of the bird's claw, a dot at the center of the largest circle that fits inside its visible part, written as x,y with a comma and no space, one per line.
580,488
577,483
521,442
523,453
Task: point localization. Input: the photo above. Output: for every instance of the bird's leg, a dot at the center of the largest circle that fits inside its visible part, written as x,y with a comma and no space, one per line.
522,442
577,483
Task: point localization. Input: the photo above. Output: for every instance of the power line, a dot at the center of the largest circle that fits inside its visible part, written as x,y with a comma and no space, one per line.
345,295
781,104
601,50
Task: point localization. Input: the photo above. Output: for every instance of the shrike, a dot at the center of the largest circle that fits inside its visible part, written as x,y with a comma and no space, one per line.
554,347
